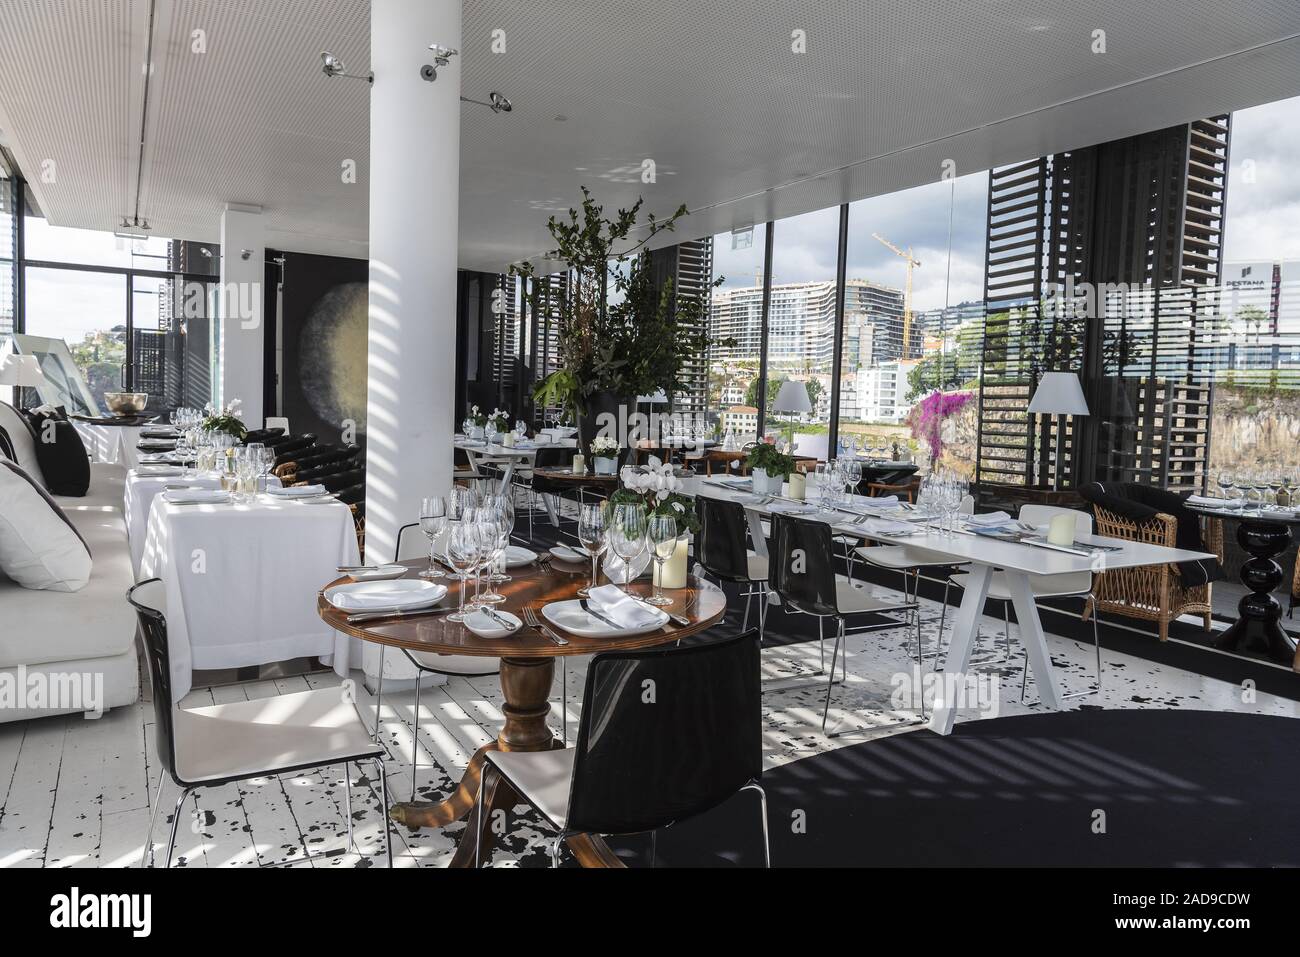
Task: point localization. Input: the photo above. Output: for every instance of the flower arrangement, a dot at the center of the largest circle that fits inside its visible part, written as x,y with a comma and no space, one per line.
224,419
928,416
500,419
604,447
766,456
657,487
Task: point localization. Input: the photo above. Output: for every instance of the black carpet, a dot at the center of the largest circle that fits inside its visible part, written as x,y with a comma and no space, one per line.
1176,788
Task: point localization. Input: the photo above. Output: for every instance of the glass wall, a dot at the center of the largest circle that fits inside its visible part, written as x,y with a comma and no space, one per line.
87,310
737,315
913,315
9,220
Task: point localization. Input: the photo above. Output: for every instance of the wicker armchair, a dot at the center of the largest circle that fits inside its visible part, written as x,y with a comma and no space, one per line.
1153,592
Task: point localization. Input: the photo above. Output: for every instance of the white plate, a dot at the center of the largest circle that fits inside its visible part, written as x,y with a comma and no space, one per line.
570,616
487,627
517,555
380,573
566,554
396,595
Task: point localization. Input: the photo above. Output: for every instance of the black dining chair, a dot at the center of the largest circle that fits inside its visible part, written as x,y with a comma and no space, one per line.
641,764
554,457
219,744
801,571
721,548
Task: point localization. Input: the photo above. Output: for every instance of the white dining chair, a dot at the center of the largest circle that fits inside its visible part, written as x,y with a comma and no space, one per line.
278,422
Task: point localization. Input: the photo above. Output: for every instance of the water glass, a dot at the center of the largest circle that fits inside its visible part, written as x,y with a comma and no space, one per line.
592,531
433,522
662,533
627,536
463,551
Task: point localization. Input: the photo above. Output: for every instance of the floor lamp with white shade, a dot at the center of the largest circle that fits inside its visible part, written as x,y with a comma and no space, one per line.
21,372
792,398
1058,394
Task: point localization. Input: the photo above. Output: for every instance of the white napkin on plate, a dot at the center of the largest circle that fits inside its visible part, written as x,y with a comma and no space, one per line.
296,491
1208,502
164,471
883,526
791,508
989,519
616,606
191,496
883,501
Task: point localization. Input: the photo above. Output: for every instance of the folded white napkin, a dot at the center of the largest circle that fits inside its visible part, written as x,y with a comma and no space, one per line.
883,501
883,526
1208,502
191,496
988,519
791,508
616,606
297,491
160,471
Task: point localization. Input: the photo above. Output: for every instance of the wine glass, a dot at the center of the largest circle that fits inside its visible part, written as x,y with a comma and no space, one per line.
662,533
627,536
521,429
592,531
433,522
1260,483
1225,480
462,553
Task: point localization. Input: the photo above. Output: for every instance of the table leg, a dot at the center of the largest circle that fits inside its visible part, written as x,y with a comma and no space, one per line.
1031,636
507,473
1258,629
965,628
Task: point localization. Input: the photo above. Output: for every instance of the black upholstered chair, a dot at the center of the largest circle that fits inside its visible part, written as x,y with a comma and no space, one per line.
637,768
801,570
721,548
215,745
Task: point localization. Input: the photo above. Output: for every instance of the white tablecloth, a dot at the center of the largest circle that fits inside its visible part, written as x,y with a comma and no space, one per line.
241,582
112,444
141,487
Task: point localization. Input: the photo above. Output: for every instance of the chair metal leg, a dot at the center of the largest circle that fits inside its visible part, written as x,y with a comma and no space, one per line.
383,810
653,848
839,633
943,618
1006,628
415,735
347,806
821,647
762,611
147,853
749,599
762,810
176,820
379,689
555,848
564,699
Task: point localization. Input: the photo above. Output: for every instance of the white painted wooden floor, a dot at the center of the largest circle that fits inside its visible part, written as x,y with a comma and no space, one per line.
76,793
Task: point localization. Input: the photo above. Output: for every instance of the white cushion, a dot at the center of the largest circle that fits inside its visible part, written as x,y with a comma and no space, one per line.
267,735
756,567
903,556
542,778
39,548
468,665
94,622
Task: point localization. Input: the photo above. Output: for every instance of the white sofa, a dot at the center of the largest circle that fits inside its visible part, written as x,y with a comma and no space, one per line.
91,631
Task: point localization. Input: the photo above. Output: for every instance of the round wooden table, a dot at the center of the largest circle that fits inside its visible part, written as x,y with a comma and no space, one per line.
527,674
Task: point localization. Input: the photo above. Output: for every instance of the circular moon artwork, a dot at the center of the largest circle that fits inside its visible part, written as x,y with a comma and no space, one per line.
332,355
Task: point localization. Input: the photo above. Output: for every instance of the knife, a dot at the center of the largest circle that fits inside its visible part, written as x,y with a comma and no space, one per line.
586,606
375,615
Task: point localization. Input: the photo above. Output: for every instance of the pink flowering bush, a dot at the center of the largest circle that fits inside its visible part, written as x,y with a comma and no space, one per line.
928,416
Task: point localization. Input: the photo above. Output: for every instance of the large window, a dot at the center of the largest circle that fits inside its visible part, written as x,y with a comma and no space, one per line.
737,315
913,314
87,310
8,253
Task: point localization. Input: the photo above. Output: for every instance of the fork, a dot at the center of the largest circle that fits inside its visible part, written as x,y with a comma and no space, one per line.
532,621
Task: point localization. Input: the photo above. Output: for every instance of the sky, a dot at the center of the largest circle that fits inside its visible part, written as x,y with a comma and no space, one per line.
1263,223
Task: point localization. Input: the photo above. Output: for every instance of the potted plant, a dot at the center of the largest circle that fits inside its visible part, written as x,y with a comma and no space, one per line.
225,419
657,487
769,468
604,455
475,423
611,353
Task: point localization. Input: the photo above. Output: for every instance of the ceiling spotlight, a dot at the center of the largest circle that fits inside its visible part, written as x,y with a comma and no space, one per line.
441,57
134,229
333,66
496,102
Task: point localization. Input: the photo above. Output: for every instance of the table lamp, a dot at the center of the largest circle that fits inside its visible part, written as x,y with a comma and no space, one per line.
1061,394
792,398
21,372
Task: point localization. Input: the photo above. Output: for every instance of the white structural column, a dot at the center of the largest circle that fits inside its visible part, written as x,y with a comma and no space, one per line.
243,270
414,205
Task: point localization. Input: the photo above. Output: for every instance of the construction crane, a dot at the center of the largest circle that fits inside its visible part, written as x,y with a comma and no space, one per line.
907,295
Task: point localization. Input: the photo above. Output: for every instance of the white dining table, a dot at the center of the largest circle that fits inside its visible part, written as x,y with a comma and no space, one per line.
110,444
510,458
1016,561
143,484
241,582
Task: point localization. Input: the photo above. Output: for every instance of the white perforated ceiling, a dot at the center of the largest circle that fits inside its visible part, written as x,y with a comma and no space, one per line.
740,127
